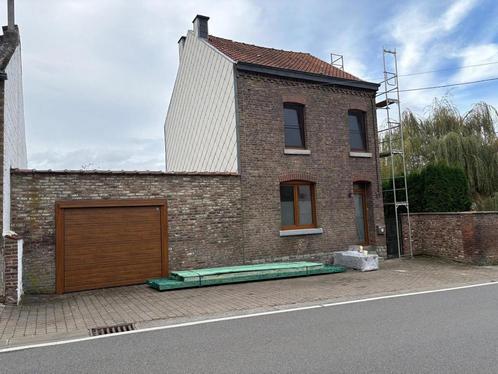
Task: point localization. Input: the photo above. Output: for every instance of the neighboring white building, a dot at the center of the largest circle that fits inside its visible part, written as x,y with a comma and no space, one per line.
12,137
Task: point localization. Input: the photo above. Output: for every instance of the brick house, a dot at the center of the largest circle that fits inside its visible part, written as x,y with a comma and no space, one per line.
300,133
270,156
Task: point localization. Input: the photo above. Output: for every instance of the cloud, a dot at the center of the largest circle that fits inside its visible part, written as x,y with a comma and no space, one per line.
424,33
98,75
144,154
420,25
475,55
456,13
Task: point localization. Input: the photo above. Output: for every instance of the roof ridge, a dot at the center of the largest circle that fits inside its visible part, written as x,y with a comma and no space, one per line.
260,46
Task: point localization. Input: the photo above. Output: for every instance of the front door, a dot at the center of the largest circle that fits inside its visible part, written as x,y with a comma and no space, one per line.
361,212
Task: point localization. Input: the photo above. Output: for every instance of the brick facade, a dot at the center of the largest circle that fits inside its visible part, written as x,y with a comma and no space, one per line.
263,165
225,219
470,237
203,216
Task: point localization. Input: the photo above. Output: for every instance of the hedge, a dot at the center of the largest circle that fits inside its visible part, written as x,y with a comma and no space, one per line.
436,188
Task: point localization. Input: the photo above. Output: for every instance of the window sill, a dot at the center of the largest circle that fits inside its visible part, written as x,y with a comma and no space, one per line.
292,151
301,232
360,154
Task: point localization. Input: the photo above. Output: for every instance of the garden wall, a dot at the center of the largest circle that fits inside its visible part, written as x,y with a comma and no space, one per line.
470,237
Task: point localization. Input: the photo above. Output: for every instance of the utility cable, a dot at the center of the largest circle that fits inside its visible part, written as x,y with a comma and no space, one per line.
448,69
448,85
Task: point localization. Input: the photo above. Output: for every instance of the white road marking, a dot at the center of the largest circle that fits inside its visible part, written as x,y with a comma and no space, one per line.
241,316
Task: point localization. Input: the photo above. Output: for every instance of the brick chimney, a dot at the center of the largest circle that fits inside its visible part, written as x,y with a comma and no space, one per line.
11,21
181,45
201,26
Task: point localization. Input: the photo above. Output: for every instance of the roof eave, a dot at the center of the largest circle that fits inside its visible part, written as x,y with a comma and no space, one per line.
318,78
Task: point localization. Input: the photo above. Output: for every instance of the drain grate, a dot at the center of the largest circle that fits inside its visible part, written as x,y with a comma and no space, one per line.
95,331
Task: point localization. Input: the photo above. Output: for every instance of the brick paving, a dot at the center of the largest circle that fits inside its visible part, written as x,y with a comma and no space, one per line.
45,318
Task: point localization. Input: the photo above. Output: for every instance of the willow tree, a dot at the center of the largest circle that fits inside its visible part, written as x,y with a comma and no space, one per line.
445,136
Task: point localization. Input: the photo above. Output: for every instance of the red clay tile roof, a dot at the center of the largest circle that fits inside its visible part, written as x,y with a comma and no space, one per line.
277,58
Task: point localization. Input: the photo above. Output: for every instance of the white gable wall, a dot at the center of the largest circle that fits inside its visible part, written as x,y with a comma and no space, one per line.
14,134
200,129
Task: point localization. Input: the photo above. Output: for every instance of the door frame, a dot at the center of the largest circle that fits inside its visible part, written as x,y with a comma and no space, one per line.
62,205
360,188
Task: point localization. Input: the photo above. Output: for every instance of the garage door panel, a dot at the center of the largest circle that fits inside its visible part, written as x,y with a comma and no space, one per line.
116,257
109,271
123,280
110,234
114,262
109,276
106,213
105,246
97,249
113,236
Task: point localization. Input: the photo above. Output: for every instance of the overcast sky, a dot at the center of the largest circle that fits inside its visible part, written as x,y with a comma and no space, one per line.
98,74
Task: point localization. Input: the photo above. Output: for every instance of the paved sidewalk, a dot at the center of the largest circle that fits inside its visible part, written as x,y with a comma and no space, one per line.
49,318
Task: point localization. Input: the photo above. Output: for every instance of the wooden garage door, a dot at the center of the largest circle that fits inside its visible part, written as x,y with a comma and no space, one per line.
110,243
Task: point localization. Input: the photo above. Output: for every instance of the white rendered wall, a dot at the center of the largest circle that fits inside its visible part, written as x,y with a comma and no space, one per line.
14,135
200,130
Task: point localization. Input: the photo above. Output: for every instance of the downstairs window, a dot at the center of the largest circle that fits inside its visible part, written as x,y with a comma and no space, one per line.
297,205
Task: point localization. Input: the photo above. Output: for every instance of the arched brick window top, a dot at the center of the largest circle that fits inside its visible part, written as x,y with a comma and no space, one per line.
297,176
362,181
295,99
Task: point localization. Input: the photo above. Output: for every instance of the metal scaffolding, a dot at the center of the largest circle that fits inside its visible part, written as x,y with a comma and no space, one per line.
392,148
337,61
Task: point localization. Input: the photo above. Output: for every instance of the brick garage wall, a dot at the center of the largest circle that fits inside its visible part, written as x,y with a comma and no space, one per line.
203,215
470,237
263,163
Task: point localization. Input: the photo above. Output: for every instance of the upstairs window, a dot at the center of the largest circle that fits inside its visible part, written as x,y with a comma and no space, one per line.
297,205
294,125
357,130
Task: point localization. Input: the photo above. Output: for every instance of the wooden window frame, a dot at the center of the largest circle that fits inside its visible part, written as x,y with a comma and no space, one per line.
300,114
62,205
295,185
362,189
363,120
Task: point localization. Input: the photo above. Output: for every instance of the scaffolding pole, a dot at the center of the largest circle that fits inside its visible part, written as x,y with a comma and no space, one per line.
390,134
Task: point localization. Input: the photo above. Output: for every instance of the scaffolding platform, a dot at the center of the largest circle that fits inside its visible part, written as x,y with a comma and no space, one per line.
386,102
242,273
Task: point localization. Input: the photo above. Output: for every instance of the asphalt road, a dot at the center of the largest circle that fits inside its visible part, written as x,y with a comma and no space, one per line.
447,332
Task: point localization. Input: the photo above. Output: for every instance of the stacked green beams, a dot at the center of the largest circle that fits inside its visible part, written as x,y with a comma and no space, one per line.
243,273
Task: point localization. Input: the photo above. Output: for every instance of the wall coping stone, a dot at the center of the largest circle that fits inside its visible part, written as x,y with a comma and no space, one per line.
121,172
